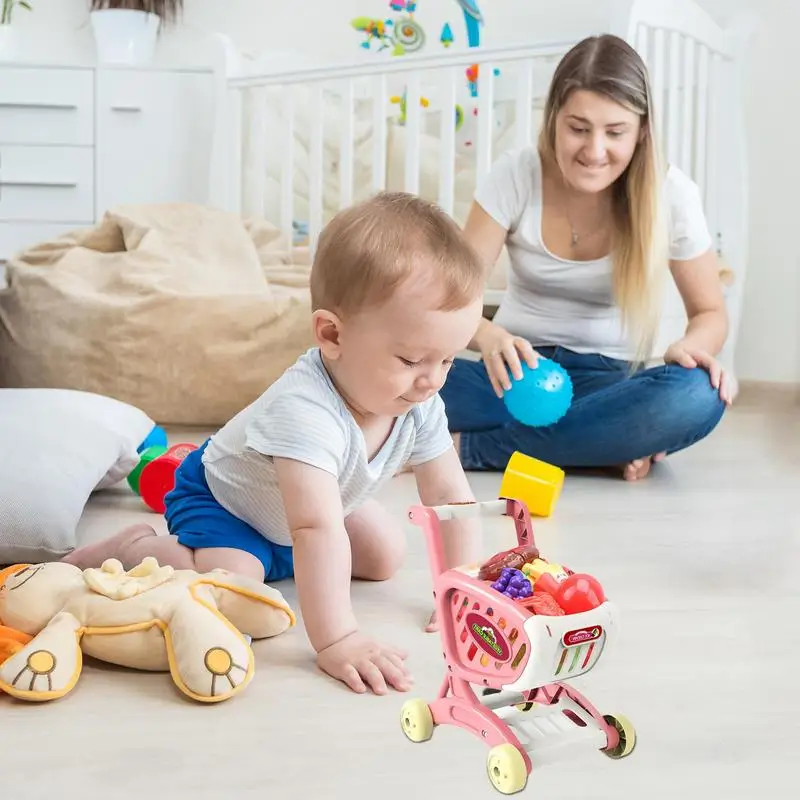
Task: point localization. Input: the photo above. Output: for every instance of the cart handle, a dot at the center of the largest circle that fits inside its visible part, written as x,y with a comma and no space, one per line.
428,518
489,508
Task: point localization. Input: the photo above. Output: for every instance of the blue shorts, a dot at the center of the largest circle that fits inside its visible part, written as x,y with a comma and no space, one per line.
197,520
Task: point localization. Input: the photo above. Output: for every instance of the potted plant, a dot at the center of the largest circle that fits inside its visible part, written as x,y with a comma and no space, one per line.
8,36
125,31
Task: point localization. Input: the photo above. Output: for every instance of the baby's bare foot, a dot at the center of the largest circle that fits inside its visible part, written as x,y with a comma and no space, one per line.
93,555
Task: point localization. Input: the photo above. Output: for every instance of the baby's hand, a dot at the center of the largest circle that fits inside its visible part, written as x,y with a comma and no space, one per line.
358,662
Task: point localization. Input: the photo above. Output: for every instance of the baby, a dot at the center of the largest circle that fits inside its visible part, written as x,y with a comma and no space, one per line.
285,488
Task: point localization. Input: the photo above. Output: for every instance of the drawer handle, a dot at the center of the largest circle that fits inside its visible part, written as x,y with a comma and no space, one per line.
127,109
45,106
44,184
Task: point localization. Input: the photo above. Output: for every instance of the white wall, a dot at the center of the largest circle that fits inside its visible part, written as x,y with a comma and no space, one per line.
769,344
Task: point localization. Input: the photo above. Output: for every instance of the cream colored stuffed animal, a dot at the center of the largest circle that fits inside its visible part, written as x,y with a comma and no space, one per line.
150,618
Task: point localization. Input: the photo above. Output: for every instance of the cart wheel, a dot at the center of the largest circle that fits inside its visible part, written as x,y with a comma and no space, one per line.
417,720
506,769
627,736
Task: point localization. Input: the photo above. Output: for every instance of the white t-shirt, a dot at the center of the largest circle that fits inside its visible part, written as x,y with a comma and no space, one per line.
555,301
302,416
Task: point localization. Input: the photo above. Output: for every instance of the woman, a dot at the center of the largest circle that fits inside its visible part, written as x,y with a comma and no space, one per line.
593,223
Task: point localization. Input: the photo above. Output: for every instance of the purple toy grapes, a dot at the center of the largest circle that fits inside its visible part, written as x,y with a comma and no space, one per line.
513,583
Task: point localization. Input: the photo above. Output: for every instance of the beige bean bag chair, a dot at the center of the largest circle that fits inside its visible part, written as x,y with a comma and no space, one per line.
186,312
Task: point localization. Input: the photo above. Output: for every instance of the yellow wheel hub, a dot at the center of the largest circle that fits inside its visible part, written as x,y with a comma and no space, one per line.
506,768
417,720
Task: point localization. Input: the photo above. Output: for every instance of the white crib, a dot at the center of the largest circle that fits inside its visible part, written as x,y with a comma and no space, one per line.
296,140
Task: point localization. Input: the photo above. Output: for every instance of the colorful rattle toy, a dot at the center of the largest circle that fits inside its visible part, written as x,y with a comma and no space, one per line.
503,630
154,476
542,396
536,483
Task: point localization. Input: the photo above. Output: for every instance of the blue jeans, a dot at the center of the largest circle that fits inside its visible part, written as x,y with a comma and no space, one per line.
615,416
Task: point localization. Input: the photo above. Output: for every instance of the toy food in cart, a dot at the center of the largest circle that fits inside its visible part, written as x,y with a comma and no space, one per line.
538,567
515,558
543,604
513,583
574,592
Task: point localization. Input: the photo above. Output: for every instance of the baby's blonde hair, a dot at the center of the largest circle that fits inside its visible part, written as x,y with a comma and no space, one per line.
369,249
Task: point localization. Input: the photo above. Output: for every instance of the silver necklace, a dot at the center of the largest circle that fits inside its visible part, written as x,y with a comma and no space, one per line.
574,235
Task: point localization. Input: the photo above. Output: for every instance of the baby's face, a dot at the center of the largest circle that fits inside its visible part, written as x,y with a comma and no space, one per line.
397,356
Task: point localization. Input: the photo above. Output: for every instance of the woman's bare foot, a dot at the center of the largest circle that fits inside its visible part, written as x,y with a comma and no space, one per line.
640,467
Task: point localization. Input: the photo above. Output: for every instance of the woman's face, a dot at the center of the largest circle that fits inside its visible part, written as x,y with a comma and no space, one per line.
595,140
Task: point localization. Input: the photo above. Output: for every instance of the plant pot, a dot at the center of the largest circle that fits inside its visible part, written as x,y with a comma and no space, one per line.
9,43
124,36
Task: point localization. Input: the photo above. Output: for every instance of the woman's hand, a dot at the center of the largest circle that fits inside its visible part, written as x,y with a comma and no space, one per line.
691,357
499,350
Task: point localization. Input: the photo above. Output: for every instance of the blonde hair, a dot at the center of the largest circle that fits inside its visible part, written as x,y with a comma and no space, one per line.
369,249
609,66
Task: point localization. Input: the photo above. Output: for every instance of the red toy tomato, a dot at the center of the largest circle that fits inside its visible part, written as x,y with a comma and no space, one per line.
580,592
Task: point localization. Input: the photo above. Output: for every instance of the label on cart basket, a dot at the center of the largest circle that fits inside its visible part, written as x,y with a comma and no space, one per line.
488,637
582,635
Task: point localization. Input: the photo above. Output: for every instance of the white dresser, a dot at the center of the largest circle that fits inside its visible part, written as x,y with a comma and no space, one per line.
77,140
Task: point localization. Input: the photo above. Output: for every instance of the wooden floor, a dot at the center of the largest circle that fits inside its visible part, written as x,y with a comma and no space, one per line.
703,560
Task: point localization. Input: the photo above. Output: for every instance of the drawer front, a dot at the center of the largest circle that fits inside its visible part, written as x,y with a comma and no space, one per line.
154,137
46,106
48,184
18,236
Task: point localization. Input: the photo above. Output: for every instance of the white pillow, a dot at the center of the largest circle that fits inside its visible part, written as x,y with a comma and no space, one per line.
57,446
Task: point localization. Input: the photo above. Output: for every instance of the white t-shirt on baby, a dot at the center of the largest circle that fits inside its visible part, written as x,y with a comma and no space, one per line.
555,301
302,416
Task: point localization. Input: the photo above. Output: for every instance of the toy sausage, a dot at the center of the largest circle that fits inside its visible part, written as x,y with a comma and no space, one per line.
515,558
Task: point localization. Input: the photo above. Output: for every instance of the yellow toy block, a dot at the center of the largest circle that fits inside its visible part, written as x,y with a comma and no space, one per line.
536,483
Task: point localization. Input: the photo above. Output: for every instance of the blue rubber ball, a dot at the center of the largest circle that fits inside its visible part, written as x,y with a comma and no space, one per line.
542,396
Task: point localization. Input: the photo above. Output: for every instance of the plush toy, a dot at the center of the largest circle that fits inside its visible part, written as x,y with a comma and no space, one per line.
150,618
11,642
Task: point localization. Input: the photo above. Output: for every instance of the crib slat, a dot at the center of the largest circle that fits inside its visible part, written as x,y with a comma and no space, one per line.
673,97
257,172
379,136
347,144
235,150
413,125
315,164
685,157
524,103
486,119
715,75
287,164
702,120
447,134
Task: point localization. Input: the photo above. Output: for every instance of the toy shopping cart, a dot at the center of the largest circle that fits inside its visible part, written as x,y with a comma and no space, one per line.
520,660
